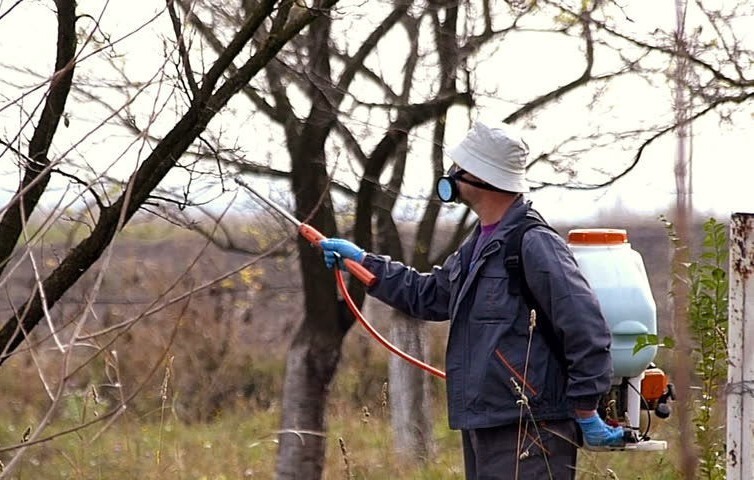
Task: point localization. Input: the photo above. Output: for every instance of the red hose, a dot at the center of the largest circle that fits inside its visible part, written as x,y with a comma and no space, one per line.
363,321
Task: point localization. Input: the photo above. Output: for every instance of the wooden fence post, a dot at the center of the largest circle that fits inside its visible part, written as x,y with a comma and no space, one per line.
740,388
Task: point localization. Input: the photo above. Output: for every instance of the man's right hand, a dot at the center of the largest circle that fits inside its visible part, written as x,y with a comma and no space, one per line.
334,248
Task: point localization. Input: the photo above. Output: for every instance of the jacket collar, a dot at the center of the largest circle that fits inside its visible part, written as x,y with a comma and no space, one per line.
512,217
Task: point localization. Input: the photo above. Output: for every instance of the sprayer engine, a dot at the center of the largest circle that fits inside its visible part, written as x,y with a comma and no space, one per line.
631,403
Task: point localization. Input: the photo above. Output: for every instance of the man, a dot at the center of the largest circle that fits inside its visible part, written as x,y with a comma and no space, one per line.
514,392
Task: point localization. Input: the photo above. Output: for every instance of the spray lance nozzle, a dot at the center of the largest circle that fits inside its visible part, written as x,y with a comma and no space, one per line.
312,235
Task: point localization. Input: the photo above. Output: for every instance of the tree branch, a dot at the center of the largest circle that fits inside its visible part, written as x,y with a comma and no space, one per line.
151,172
36,176
182,51
559,92
408,118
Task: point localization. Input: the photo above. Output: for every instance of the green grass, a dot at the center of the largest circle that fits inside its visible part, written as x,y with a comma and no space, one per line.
242,445
148,442
235,446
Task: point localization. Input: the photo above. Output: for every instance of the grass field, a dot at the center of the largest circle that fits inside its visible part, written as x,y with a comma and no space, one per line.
243,446
240,443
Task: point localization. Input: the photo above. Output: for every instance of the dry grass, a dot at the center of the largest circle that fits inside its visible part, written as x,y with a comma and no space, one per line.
240,443
154,441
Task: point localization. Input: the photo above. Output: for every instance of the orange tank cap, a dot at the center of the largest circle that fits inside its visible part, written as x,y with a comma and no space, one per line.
597,236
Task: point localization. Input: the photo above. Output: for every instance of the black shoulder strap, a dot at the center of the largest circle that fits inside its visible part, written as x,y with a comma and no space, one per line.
513,261
517,277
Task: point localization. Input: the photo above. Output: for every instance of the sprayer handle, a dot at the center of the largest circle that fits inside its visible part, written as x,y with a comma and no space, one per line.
313,236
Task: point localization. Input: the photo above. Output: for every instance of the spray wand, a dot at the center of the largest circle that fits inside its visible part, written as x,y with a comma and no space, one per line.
313,236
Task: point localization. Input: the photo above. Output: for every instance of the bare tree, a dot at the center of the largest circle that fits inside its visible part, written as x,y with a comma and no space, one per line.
204,94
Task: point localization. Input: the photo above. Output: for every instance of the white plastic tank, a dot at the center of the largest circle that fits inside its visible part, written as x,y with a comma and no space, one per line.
617,275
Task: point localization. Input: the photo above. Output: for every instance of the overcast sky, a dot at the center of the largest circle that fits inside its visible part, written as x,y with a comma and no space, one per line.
722,163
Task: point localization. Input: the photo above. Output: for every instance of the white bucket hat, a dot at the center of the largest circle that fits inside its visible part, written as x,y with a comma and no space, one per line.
496,155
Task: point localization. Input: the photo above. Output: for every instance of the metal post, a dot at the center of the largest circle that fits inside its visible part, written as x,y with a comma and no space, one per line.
633,400
740,388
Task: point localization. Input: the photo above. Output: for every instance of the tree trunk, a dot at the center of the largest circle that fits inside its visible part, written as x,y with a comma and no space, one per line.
32,187
312,359
410,397
310,366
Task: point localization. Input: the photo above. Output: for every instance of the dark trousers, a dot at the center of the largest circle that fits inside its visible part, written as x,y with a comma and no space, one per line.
546,450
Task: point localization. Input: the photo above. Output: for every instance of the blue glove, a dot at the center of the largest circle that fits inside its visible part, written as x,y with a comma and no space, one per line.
337,247
599,434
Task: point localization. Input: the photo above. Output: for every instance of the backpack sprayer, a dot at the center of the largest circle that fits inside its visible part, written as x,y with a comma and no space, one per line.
617,275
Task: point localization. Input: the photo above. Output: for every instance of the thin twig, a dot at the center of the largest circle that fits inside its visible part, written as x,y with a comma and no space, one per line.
524,406
182,51
346,462
164,388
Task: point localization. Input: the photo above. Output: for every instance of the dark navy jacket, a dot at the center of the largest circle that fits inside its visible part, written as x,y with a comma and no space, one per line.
489,331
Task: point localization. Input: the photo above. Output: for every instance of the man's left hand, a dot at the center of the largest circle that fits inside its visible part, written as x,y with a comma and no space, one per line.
599,434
